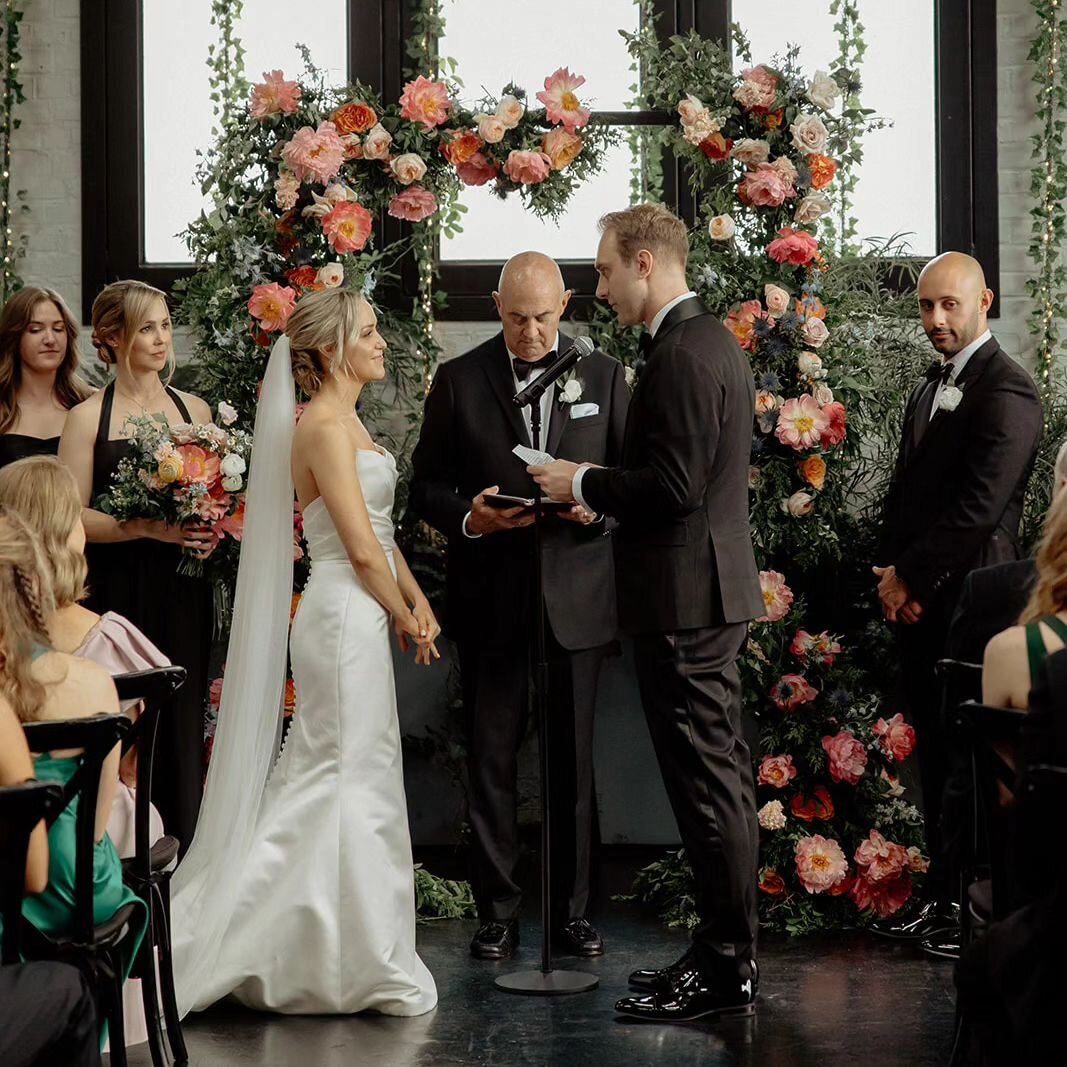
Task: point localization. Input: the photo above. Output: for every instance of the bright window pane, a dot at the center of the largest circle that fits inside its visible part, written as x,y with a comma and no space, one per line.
177,104
897,188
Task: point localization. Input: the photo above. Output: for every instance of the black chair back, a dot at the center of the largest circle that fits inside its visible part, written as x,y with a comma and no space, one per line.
22,807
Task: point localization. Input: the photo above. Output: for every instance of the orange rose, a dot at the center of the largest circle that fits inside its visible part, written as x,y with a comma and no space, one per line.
561,147
774,119
771,882
823,169
716,146
460,146
813,471
354,118
819,805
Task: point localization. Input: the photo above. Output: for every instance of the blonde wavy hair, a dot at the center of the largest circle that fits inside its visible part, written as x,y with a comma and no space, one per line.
43,491
648,226
120,310
319,329
26,605
1049,594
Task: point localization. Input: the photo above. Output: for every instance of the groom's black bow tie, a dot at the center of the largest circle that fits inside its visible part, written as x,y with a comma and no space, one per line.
644,345
939,372
523,367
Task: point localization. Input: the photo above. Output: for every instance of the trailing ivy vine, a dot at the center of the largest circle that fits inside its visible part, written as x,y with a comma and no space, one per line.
226,61
10,95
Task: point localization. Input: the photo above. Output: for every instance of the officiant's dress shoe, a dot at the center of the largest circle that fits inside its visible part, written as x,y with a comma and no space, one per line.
692,995
658,981
495,940
928,921
579,938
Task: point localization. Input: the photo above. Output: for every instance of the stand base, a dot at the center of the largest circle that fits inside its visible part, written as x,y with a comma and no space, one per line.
550,984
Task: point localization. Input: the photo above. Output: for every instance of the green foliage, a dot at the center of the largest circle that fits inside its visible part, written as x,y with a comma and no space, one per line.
10,94
441,898
225,60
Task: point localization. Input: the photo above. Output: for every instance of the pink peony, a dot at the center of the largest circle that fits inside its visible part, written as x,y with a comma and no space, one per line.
757,89
814,648
741,322
881,898
846,756
777,596
776,771
764,186
820,863
527,168
274,96
271,305
801,423
562,107
477,170
792,690
347,227
895,737
413,204
197,465
834,431
425,101
315,155
880,860
214,693
793,246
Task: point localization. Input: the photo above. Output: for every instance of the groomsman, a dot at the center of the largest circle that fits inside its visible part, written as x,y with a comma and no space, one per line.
688,587
970,435
464,453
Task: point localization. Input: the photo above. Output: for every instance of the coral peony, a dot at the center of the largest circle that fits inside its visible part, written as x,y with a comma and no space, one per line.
347,227
562,107
776,771
477,170
801,423
741,322
772,815
879,859
425,101
881,898
834,431
820,863
315,155
271,305
814,648
793,246
895,737
846,756
818,807
354,118
792,690
562,147
527,168
274,96
822,170
764,186
413,204
198,465
777,596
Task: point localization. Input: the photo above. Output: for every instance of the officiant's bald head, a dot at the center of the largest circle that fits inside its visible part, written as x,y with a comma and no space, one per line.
530,300
954,301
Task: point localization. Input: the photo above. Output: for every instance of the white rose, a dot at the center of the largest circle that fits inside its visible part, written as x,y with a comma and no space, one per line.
823,395
227,413
776,299
690,109
232,464
799,504
809,134
823,90
772,815
631,377
721,228
491,128
572,391
751,152
812,208
809,364
376,143
950,398
408,168
332,275
814,332
510,111
232,483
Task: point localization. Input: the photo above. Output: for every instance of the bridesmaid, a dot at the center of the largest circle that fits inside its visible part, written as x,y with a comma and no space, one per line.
133,565
39,381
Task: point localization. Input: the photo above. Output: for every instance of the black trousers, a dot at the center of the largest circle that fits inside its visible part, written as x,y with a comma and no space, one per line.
47,1017
496,689
691,693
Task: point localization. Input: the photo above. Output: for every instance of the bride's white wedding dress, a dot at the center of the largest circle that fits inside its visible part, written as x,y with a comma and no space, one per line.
325,914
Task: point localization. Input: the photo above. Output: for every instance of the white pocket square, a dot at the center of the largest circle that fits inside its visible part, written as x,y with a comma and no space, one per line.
580,411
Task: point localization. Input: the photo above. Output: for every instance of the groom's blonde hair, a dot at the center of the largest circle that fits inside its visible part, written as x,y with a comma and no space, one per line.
320,327
648,226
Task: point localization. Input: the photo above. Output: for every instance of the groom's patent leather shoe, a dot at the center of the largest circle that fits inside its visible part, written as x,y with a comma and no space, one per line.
579,938
658,981
692,995
495,940
929,920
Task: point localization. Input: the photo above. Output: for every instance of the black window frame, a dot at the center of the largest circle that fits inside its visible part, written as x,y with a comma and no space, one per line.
112,189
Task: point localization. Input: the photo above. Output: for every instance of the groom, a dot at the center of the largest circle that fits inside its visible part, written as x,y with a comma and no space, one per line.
687,586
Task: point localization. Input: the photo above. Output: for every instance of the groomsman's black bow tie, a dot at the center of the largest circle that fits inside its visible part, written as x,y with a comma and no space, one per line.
523,367
939,372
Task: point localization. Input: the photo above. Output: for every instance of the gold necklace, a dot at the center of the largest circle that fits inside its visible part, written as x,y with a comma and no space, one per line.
143,407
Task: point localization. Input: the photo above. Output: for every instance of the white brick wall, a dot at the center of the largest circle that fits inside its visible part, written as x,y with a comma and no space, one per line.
46,162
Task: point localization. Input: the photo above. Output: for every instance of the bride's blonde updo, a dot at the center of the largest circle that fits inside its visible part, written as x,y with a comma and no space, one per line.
319,329
119,312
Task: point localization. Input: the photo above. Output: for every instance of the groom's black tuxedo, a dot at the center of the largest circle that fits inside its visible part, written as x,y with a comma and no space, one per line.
954,504
688,586
469,429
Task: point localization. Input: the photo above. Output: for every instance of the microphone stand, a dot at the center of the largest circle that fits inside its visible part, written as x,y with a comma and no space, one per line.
546,981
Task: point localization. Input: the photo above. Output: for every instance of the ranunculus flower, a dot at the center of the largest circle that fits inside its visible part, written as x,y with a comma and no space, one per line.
792,690
561,146
562,107
813,471
801,423
880,860
460,146
354,118
834,431
814,332
377,143
510,111
814,648
198,465
413,204
425,101
527,168
772,815
811,208
232,483
227,413
776,771
716,146
771,882
777,596
846,756
286,190
331,275
274,96
793,246
271,305
820,863
822,169
823,90
776,298
895,737
170,469
809,134
347,227
491,128
408,168
757,89
721,228
477,170
751,152
798,505
809,365
819,807
314,155
232,463
764,187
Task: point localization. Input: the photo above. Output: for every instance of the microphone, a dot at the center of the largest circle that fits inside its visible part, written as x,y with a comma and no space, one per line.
532,393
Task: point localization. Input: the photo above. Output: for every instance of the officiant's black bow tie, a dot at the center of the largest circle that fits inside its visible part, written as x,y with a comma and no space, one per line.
939,372
524,367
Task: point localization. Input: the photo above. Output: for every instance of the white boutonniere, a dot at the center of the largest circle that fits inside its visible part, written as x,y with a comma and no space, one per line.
571,391
950,398
631,377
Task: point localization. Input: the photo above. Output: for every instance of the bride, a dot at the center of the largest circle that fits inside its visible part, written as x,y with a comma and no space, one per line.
297,894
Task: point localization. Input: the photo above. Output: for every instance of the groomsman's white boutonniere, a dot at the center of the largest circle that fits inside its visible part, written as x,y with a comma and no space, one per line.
950,398
571,391
631,377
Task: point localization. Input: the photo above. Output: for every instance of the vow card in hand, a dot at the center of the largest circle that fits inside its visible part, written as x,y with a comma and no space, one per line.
532,458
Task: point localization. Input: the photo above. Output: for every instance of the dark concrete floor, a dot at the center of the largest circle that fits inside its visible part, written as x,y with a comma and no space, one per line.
834,999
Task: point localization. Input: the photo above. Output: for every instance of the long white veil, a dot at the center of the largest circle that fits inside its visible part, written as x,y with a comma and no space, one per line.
207,882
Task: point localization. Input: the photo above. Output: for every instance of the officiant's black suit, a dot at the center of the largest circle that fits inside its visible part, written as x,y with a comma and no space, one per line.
469,429
688,586
954,504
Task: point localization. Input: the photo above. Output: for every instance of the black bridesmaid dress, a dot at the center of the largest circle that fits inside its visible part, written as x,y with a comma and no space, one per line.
140,579
15,446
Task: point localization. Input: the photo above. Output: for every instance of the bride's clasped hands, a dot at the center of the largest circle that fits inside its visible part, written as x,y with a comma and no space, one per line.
418,627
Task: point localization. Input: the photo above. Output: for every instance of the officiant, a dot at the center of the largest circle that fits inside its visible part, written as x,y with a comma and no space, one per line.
464,453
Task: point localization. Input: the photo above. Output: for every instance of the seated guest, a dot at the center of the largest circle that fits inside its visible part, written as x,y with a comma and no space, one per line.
39,381
45,495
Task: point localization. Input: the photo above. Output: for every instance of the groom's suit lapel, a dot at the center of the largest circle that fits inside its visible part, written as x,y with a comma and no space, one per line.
497,366
681,312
